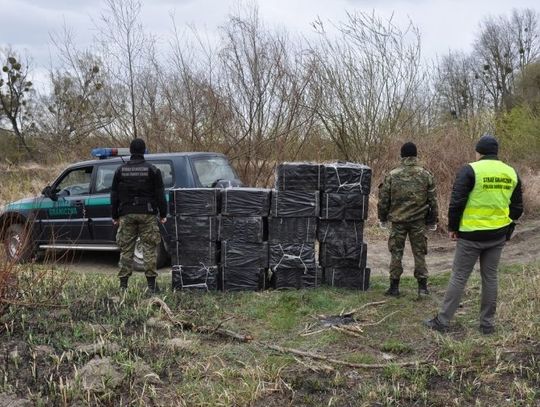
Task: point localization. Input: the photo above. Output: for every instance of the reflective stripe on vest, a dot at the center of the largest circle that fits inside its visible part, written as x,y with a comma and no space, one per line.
488,204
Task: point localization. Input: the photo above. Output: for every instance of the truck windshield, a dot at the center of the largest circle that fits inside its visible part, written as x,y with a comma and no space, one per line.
211,169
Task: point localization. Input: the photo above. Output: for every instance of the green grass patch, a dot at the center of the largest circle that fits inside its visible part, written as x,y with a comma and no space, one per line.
45,355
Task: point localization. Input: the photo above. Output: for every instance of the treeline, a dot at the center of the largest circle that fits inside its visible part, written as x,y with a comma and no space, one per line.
354,91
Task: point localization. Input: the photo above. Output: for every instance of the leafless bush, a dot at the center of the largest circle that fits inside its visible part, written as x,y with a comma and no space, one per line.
366,83
23,281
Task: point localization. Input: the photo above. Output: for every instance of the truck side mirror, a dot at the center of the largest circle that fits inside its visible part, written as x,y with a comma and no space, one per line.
49,193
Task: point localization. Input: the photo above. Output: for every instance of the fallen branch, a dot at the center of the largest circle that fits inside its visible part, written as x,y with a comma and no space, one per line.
377,323
354,311
183,324
311,355
189,326
316,368
313,332
346,331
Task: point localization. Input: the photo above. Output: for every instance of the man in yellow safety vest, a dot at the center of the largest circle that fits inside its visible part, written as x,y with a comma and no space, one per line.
486,200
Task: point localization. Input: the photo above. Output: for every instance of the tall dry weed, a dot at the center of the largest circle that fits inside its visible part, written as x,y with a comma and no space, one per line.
530,180
442,153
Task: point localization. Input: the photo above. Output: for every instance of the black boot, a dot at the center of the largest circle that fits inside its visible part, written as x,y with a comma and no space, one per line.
152,285
422,287
124,283
393,291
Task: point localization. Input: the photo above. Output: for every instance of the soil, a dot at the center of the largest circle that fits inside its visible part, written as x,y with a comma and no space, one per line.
522,249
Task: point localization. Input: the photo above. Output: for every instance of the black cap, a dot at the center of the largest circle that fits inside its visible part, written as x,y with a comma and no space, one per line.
408,150
137,146
487,145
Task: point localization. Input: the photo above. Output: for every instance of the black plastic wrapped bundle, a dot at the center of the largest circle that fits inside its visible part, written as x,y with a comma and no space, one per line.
194,277
348,277
292,256
343,254
195,201
292,230
245,202
190,228
296,278
196,253
351,231
298,177
312,278
294,204
242,229
347,178
344,206
244,255
243,279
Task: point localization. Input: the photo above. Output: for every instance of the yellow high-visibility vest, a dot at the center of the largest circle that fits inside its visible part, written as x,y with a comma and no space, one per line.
488,204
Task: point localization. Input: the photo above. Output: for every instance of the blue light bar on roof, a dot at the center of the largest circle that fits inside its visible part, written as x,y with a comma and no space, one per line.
103,152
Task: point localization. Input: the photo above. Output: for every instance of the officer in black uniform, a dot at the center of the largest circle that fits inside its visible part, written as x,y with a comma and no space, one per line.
137,196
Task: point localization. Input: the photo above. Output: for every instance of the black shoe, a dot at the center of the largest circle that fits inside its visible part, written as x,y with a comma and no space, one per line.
436,325
124,283
393,291
422,287
487,330
152,285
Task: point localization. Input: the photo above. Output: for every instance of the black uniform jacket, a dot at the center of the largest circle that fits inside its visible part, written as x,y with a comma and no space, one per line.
463,185
138,188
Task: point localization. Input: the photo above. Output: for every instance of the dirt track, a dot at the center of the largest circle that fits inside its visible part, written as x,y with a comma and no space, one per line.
523,248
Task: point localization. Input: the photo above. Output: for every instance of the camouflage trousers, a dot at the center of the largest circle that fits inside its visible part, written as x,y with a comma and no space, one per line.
133,226
396,243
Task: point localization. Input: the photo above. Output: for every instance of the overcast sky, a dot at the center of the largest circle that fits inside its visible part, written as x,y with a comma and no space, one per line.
444,24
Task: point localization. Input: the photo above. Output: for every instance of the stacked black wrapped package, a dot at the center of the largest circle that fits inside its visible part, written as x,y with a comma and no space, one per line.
242,232
344,207
292,226
196,253
299,177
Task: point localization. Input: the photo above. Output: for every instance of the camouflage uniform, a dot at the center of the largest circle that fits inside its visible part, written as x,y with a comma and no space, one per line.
131,227
408,199
137,197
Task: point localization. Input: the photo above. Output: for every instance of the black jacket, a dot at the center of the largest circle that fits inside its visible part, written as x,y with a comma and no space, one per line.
138,188
463,185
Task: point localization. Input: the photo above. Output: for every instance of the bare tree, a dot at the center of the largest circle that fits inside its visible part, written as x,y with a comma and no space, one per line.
76,107
504,47
193,105
124,43
460,92
525,28
262,81
366,82
15,91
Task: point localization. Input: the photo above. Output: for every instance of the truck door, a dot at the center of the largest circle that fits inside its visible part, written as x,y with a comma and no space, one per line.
98,205
66,221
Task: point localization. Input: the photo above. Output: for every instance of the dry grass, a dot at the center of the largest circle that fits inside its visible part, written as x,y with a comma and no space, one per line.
25,180
443,154
158,364
531,191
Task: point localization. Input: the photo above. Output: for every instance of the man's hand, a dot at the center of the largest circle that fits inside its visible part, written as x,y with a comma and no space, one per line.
432,227
115,222
163,220
383,225
453,235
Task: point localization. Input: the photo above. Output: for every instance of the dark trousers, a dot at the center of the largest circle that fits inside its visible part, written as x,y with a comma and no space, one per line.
467,253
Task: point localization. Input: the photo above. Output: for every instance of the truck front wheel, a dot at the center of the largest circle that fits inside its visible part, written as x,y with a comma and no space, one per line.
18,243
